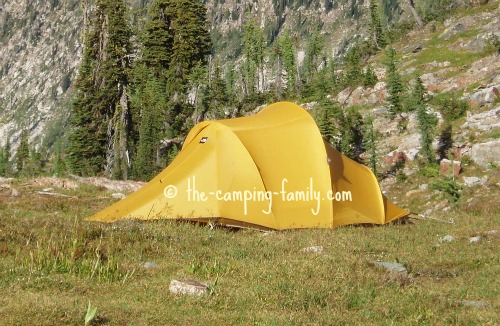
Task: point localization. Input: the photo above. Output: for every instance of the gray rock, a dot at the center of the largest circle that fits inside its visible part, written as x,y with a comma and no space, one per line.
447,238
484,154
189,287
392,267
14,192
148,265
428,212
474,304
486,95
484,121
48,189
313,249
118,195
475,181
491,232
474,239
423,187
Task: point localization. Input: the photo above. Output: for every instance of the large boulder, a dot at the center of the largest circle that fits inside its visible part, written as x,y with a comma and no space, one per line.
485,95
487,153
483,121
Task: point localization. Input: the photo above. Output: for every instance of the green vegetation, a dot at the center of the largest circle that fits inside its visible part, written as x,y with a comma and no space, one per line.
53,263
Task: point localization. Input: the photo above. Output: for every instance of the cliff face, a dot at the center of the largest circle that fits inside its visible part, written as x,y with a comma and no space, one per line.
40,50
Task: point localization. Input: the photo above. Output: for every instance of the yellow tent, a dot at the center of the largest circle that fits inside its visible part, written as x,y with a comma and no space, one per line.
272,170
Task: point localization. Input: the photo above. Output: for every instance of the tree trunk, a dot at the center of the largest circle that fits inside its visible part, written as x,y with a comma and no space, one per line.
419,21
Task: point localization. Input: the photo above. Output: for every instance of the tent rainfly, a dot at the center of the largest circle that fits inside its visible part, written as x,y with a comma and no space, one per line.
271,170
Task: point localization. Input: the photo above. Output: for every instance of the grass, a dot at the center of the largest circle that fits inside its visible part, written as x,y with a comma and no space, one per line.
52,264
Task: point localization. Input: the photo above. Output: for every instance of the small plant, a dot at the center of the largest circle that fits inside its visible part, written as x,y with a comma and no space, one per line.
429,170
449,187
90,315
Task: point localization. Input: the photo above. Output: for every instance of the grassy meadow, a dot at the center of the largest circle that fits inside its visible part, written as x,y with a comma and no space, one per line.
52,264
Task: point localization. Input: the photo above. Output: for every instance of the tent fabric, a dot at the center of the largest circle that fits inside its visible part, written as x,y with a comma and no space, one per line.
271,170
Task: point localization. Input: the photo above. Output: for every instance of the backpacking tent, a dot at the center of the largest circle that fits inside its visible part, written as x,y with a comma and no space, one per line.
272,170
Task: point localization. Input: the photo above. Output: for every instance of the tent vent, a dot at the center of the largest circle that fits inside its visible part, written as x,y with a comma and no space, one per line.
203,140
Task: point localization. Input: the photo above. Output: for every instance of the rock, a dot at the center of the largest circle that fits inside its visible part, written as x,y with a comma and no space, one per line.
430,80
474,239
52,194
486,95
423,187
447,238
148,265
418,48
53,182
452,31
475,304
313,249
118,195
113,185
395,157
392,267
475,181
446,166
484,121
412,192
48,189
491,232
14,192
190,287
428,212
411,154
484,154
7,181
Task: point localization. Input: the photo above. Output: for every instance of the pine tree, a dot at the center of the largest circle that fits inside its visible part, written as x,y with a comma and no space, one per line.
426,121
324,118
216,97
313,51
370,79
289,63
253,52
370,139
101,118
2,162
59,166
351,135
354,74
7,170
394,84
23,154
379,37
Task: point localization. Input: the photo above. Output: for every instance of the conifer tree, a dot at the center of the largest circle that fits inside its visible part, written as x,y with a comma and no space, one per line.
426,121
370,79
23,154
6,168
351,133
370,139
354,74
379,37
59,166
2,162
101,120
253,52
394,84
216,97
314,49
324,117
